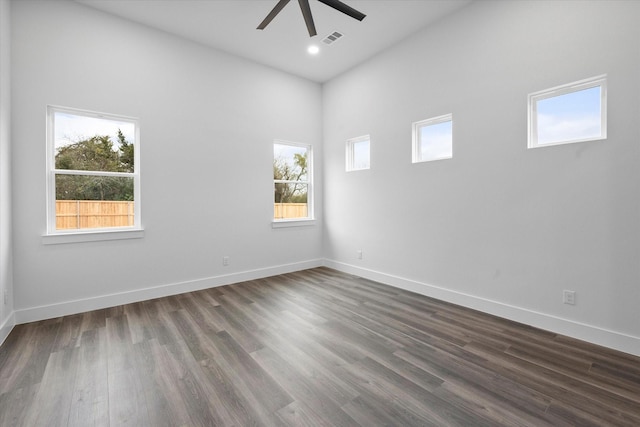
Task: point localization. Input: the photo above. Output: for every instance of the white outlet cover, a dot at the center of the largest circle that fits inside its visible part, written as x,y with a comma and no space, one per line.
569,297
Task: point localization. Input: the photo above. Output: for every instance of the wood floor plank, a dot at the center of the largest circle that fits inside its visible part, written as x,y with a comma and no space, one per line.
230,386
486,406
261,384
599,353
140,327
175,383
127,404
395,401
580,370
361,319
367,410
308,363
473,376
301,388
239,327
298,414
309,348
234,399
28,359
325,355
565,390
16,406
52,402
95,319
424,401
90,399
562,415
157,385
200,308
620,381
159,328
69,332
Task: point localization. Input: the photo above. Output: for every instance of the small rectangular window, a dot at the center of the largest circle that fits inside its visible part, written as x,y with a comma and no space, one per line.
358,153
92,171
574,112
292,181
433,139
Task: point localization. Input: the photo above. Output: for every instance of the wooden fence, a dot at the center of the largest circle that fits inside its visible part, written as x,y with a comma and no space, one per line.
289,210
78,214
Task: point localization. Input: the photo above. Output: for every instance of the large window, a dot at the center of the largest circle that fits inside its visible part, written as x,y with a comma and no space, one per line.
574,112
92,172
433,139
292,183
358,153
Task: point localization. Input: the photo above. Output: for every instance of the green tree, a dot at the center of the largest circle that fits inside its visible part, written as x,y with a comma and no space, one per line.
126,153
95,154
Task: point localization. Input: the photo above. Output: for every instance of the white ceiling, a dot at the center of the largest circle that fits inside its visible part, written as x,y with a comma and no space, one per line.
230,25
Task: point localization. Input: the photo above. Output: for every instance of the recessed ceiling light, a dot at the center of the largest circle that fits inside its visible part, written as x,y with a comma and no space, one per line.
313,49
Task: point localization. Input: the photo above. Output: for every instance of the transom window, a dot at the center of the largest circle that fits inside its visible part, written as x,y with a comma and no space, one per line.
433,139
358,153
575,112
292,183
93,171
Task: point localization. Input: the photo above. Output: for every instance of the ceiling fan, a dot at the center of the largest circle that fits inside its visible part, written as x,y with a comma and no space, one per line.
306,12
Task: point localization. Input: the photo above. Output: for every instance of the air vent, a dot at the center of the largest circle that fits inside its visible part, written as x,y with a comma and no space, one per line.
332,38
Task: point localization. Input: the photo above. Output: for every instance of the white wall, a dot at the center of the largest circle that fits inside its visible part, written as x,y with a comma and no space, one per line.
6,284
208,121
499,227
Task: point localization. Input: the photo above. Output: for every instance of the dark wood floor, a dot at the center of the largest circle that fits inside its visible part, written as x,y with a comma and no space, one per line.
314,348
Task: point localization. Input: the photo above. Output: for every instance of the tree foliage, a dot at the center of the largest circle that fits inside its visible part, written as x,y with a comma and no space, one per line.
95,154
126,153
295,191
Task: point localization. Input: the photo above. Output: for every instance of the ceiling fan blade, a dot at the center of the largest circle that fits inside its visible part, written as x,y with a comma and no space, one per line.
308,19
348,10
272,14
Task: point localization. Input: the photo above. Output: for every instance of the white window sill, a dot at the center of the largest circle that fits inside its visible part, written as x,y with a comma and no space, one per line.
91,236
536,144
285,223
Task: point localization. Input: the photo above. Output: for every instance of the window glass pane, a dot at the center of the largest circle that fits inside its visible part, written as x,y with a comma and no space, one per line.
93,202
81,187
569,117
290,162
93,144
292,181
436,141
361,154
290,200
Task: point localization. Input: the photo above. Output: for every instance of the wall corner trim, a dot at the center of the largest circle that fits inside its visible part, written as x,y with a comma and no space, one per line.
593,334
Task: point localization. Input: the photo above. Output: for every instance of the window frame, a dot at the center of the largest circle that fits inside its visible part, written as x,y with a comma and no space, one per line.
565,89
310,218
55,236
350,153
416,157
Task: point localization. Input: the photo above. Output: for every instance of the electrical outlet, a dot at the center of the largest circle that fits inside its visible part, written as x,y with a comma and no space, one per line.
359,253
225,261
569,297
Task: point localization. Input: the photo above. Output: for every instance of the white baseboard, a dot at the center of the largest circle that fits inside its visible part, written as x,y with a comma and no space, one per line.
593,334
33,314
612,339
7,326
